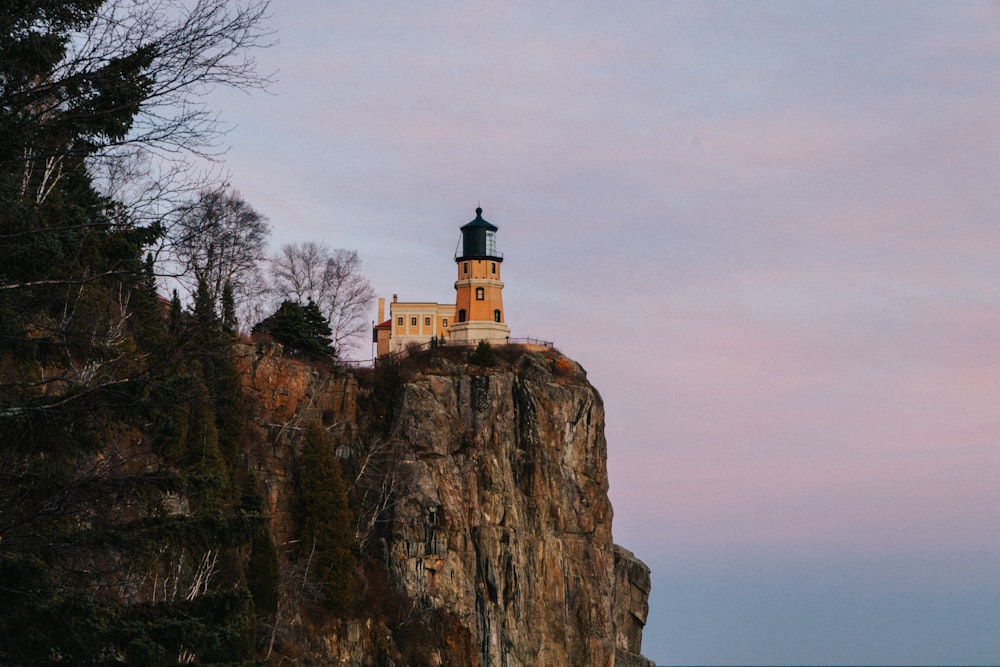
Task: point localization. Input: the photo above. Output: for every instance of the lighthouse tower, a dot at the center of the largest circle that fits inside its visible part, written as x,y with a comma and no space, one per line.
478,300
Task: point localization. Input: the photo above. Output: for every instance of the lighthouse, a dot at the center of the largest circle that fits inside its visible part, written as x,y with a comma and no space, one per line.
479,290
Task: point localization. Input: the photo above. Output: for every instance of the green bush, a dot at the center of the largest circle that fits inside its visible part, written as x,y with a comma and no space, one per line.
484,355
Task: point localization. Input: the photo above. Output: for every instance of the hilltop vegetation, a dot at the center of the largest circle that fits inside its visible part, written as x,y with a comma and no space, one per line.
126,527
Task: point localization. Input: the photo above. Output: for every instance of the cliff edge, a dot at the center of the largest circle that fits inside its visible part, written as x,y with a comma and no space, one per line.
481,511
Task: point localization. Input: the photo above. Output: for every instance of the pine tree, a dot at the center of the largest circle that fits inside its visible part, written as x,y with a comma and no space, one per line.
83,372
300,329
176,314
229,321
484,355
325,519
210,345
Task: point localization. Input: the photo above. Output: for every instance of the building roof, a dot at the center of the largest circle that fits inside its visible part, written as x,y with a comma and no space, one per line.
479,222
385,325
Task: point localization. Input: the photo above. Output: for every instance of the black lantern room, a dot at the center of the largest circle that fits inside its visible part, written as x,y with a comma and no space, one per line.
479,240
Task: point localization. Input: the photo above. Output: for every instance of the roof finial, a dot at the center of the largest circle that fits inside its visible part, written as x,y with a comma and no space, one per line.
479,211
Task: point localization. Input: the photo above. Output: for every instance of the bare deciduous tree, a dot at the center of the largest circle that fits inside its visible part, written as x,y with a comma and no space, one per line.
100,87
147,190
253,301
333,280
218,239
380,474
183,53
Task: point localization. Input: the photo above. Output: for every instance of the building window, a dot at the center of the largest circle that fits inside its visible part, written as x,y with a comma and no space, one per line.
413,321
496,315
427,321
444,322
399,321
461,315
465,267
479,294
493,267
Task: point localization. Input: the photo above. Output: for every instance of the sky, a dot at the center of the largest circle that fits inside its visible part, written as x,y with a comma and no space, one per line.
768,231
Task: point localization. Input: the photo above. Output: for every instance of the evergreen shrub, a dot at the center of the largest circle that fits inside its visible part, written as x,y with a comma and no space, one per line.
484,355
326,523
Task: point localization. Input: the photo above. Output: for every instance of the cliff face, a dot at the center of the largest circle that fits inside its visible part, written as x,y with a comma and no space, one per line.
481,495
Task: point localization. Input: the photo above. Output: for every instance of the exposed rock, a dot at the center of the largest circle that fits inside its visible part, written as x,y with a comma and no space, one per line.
289,393
485,501
631,596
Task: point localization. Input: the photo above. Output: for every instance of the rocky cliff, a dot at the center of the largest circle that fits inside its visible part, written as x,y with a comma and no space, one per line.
481,511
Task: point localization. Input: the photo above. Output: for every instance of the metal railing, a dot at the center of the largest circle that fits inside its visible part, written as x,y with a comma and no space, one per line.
530,341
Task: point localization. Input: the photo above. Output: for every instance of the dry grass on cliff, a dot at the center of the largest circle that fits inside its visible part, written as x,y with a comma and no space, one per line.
393,370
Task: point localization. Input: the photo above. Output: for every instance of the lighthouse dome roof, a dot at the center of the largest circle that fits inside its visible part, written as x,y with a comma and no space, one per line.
479,222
